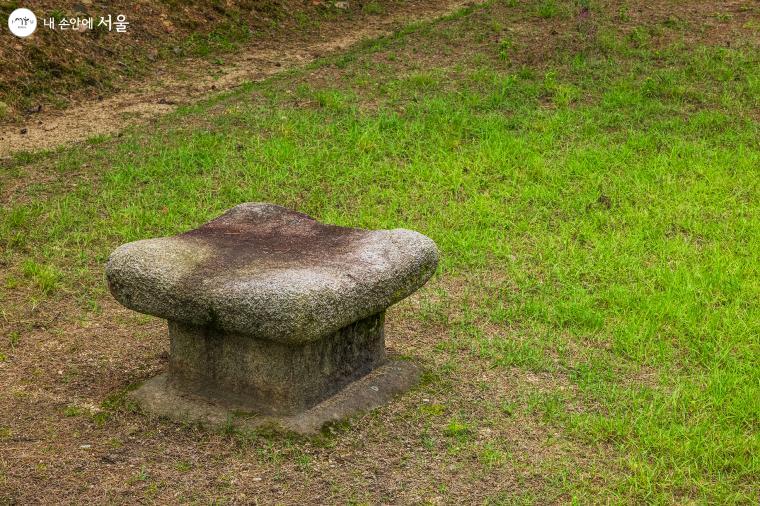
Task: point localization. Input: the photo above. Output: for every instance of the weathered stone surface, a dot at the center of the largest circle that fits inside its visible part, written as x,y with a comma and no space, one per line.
158,396
270,377
271,273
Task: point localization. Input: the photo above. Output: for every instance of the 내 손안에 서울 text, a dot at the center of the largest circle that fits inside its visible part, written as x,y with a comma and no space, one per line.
23,22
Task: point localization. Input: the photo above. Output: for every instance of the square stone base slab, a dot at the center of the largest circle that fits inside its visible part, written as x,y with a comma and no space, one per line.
158,397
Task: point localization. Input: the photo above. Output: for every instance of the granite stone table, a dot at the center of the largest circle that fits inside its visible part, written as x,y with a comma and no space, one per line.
273,316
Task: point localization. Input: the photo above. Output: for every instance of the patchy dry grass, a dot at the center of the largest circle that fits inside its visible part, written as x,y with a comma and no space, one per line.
589,171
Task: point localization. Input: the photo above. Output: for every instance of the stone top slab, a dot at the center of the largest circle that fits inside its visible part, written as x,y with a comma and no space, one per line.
271,273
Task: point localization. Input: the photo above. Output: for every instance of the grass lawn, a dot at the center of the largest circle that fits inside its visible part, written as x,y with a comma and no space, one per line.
591,174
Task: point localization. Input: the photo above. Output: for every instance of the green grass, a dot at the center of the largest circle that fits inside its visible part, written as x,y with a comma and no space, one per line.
548,8
373,7
223,39
599,215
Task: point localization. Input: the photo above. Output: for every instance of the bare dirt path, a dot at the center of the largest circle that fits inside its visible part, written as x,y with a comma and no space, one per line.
193,79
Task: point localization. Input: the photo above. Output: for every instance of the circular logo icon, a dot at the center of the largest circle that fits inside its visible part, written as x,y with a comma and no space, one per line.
22,22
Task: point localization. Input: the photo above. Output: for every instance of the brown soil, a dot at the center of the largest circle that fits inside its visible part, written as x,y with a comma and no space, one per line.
176,83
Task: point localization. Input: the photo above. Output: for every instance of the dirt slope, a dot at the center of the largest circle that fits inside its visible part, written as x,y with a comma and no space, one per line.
191,79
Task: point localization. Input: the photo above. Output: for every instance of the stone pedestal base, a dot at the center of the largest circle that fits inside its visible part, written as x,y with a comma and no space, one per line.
159,397
215,376
269,377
